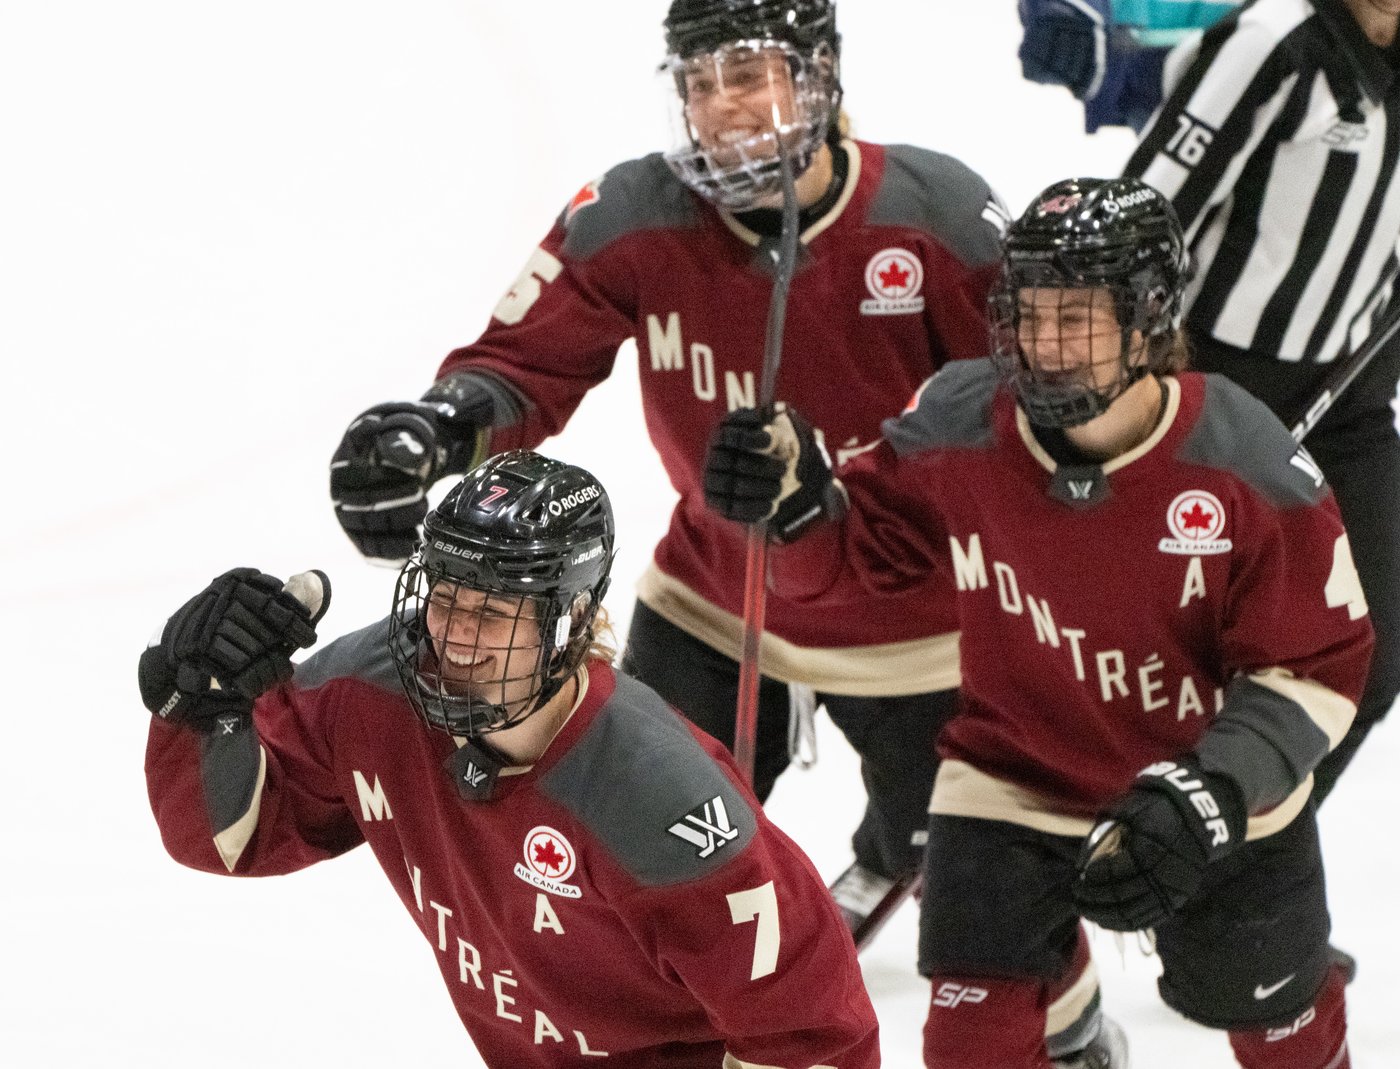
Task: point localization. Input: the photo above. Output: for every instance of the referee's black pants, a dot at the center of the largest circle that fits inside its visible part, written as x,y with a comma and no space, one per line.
894,736
1358,448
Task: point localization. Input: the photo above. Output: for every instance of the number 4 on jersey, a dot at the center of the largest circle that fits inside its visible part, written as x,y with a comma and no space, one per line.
1343,584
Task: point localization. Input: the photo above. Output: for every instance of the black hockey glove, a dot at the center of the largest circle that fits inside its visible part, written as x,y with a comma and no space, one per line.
393,453
230,643
1147,856
1064,43
771,464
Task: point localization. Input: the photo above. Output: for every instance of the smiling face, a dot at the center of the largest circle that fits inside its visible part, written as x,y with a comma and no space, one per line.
487,645
1071,334
736,98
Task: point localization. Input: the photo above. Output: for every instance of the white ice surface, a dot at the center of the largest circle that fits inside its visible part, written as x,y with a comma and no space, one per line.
224,230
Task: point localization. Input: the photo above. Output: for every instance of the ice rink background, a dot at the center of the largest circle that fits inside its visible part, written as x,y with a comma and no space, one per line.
224,230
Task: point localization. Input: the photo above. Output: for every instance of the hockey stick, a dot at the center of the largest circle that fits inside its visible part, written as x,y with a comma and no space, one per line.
906,887
756,557
1347,371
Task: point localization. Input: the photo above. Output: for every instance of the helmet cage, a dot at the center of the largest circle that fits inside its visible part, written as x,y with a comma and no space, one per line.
539,561
802,94
1065,393
530,644
1116,236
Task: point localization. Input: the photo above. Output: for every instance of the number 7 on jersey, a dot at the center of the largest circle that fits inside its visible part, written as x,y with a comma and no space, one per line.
759,904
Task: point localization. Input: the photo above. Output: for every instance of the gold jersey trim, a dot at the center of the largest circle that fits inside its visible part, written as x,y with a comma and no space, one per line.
1046,461
731,1062
752,237
233,840
963,791
1330,711
892,669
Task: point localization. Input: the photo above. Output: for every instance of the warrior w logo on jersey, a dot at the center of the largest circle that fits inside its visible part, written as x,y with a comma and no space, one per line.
707,827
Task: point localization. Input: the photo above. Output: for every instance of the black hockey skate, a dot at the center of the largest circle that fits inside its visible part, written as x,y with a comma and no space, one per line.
867,900
1107,1050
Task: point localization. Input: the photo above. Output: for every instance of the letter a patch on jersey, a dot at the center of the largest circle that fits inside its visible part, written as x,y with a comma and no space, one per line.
706,827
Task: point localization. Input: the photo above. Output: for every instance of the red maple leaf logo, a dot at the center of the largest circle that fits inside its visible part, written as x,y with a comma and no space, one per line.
894,277
1197,519
548,856
584,197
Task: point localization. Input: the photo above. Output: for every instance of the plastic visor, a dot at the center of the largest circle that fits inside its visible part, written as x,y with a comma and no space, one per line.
731,109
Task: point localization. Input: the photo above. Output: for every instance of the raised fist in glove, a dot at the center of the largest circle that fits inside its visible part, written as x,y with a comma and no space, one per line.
1065,43
229,644
393,453
770,464
1147,856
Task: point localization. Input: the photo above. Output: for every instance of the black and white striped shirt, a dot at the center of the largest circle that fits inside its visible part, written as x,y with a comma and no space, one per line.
1278,143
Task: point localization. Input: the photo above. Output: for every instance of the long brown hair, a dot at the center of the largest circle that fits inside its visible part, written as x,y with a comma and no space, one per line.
602,642
1169,354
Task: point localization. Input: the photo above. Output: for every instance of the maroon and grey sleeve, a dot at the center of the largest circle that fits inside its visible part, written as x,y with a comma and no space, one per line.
893,536
556,332
1297,636
250,799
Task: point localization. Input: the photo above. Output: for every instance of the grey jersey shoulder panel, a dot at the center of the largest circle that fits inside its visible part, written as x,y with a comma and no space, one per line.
1237,433
362,654
636,774
943,196
953,411
637,195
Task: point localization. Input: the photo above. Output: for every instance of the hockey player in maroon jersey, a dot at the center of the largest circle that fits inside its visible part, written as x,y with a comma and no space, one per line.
676,250
1162,635
592,874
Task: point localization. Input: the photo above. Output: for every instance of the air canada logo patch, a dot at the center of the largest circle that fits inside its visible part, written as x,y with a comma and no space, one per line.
549,861
895,279
1196,520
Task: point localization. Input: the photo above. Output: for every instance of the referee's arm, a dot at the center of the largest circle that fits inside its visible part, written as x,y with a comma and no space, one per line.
1227,89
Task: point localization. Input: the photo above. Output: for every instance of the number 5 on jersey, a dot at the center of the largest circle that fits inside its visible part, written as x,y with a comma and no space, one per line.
759,904
542,267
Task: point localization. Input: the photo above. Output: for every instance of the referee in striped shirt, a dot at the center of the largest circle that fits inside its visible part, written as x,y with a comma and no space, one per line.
1279,144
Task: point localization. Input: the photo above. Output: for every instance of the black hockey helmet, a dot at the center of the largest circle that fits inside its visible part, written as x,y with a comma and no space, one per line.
696,26
536,537
713,38
1116,234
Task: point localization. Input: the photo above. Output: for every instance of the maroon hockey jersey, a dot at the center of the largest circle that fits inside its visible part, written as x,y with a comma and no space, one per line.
623,902
1197,593
891,283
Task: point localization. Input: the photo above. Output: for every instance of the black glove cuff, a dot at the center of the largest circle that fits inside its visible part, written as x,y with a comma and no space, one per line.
1211,804
465,402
